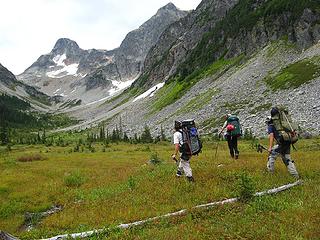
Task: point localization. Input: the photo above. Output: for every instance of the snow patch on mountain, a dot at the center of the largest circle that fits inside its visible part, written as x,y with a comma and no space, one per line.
65,71
59,59
119,85
149,92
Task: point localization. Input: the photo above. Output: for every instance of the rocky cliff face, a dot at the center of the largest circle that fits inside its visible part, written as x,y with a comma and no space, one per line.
134,48
226,29
90,75
250,26
179,39
304,30
7,78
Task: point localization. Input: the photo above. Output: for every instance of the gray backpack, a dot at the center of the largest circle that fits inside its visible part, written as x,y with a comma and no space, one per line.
286,128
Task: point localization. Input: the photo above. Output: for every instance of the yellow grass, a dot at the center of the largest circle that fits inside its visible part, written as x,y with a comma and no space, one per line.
120,186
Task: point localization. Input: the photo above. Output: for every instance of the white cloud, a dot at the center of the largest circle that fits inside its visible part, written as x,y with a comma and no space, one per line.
31,28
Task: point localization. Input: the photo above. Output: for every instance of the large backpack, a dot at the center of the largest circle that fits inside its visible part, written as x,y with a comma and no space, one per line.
191,142
234,121
286,128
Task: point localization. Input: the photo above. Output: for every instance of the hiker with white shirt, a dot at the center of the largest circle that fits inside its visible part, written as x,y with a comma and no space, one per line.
180,154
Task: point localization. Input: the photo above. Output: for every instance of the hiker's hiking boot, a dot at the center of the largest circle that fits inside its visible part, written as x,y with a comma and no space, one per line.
190,179
236,156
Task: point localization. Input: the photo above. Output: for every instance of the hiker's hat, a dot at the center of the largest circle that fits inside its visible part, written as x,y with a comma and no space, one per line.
177,124
268,120
227,115
274,111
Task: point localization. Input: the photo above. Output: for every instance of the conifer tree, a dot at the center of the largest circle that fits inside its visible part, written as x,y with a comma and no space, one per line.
102,134
4,135
44,136
146,135
136,138
125,137
162,135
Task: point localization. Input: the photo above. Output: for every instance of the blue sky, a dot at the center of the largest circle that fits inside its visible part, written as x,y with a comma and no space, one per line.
30,28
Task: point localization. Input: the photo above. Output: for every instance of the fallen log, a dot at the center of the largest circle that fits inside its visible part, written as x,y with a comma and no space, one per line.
6,236
178,213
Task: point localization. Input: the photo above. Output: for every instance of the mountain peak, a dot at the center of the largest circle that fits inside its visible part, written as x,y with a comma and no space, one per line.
64,45
169,7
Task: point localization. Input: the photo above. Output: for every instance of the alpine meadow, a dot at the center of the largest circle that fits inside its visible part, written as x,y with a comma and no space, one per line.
202,124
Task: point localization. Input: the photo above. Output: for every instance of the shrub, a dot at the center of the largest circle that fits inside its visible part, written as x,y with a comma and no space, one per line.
295,75
154,158
131,183
31,158
246,187
75,179
77,148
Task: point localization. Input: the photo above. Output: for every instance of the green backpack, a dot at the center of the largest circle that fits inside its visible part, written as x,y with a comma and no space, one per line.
286,128
234,120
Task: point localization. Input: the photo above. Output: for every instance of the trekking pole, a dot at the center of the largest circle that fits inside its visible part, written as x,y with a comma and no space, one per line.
175,159
260,148
215,155
291,128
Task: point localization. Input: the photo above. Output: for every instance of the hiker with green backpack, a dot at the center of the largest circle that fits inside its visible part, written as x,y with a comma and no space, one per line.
283,131
233,132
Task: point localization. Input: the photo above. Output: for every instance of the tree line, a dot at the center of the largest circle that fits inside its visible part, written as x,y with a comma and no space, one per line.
14,136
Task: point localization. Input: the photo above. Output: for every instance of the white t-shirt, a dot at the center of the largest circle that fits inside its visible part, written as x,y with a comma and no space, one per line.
177,138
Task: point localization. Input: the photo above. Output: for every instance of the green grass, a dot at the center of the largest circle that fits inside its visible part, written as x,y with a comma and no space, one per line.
74,179
178,87
168,94
295,74
120,186
280,45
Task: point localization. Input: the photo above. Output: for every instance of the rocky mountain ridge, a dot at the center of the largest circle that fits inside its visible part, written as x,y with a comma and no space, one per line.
10,85
91,75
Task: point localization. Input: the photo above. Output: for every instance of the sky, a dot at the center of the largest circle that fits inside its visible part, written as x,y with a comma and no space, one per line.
30,28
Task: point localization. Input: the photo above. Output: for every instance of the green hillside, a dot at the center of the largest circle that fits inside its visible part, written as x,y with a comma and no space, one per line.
13,112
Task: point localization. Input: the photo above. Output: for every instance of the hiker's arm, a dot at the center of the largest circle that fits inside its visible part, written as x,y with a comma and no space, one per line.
176,150
271,140
223,127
